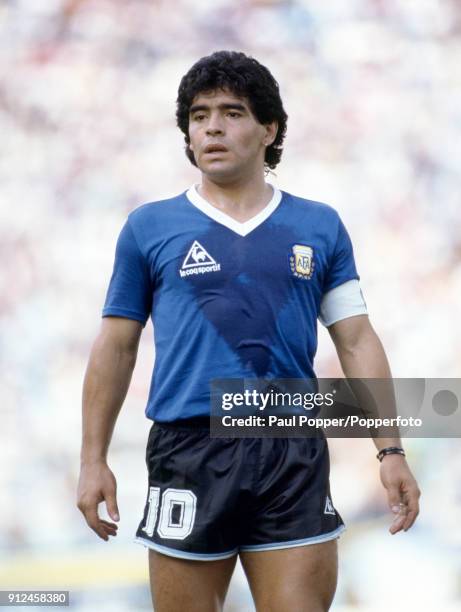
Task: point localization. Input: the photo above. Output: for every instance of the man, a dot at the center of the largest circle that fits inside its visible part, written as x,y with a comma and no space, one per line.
217,269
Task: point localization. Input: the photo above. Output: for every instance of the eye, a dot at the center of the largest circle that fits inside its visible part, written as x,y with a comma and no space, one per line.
234,114
198,117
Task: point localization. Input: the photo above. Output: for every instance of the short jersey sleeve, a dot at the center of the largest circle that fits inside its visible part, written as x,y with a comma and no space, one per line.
130,289
342,265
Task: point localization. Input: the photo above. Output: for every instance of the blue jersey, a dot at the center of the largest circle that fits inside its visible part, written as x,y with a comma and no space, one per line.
227,299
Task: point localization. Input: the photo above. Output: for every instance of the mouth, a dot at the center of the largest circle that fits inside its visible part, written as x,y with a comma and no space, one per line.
215,148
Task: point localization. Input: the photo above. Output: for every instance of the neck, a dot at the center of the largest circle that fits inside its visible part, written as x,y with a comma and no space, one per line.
240,200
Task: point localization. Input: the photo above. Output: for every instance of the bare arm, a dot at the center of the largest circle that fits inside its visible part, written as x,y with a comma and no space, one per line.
106,383
362,356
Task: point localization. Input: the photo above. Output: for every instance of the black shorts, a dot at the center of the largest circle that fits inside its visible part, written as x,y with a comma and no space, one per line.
209,498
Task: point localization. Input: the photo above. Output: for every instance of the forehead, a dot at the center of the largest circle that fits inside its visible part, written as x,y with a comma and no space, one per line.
217,97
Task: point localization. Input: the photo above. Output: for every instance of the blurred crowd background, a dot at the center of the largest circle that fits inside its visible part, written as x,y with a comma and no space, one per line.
87,101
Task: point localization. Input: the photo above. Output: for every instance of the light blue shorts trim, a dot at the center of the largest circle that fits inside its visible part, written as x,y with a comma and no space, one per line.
293,543
173,552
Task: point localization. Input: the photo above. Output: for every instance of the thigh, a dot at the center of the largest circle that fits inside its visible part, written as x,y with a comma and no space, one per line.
300,579
182,585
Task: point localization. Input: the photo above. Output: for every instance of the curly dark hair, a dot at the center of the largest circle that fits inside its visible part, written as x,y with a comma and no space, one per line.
243,76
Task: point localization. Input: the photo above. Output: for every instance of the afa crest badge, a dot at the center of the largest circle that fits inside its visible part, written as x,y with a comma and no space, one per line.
302,261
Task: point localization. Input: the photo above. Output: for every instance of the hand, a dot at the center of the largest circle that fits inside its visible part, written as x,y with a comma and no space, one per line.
402,492
96,484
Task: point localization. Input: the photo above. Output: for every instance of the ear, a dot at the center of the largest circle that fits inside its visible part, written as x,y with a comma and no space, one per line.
271,133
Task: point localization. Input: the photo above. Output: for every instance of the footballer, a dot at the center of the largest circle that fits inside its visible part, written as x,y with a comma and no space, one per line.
234,274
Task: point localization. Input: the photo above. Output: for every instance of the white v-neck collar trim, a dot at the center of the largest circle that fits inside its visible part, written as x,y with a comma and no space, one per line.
236,226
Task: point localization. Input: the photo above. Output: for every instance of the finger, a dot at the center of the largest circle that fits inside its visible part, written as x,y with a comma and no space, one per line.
394,498
397,524
112,508
410,519
400,511
107,524
101,532
109,531
91,516
94,522
411,498
411,494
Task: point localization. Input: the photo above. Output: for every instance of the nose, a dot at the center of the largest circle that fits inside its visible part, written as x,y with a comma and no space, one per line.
214,131
215,125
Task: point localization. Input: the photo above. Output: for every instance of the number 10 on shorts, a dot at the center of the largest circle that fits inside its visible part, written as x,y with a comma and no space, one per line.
177,513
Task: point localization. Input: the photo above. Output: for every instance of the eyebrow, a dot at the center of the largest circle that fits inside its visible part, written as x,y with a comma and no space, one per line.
225,106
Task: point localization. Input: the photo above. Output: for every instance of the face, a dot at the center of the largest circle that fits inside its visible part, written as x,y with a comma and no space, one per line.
225,137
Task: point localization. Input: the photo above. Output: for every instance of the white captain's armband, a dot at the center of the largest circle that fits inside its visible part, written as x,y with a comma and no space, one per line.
342,302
